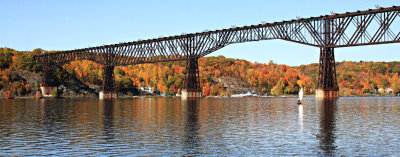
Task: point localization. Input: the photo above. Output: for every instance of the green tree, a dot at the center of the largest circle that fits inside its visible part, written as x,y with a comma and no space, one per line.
396,87
37,51
395,84
141,80
125,85
26,62
278,88
5,58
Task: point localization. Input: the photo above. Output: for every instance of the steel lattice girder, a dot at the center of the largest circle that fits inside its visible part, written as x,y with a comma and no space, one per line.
108,79
369,27
48,79
192,76
327,70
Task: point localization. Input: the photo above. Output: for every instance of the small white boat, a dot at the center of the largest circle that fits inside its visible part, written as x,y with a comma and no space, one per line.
300,96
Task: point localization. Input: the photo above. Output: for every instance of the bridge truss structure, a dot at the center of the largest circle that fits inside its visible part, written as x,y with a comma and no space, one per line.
368,27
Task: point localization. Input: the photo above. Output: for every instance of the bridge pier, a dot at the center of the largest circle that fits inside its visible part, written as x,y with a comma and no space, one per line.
48,91
108,83
327,83
192,87
49,84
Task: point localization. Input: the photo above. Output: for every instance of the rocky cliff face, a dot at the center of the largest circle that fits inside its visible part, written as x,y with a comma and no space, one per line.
30,77
234,85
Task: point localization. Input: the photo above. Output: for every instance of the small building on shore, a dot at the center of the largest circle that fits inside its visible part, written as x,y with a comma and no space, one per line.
146,89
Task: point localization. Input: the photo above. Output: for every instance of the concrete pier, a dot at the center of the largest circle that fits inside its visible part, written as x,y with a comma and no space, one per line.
48,91
108,95
189,94
326,93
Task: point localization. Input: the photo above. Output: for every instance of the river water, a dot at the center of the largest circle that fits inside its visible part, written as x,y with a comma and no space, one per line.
210,126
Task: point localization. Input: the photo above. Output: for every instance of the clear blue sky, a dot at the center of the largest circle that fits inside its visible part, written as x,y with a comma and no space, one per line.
71,24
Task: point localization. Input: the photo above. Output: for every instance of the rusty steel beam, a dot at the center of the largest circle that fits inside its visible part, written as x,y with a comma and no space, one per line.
108,79
327,70
48,78
192,76
369,27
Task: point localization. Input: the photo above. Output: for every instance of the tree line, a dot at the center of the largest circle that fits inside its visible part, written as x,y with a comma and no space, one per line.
354,78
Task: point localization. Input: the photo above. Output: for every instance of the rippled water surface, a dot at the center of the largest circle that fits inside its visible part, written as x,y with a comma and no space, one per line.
210,126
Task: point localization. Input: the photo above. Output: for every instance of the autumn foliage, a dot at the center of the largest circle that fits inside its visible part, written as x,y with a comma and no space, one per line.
354,78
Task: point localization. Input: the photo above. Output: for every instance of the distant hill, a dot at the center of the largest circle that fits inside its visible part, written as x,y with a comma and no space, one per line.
218,76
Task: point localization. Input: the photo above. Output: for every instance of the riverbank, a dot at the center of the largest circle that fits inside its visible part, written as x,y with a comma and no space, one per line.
157,96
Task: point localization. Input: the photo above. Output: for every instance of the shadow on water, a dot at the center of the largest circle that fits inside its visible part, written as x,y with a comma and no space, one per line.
192,126
327,120
53,117
106,106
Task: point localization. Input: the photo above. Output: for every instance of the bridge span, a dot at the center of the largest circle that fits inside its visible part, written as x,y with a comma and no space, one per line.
326,32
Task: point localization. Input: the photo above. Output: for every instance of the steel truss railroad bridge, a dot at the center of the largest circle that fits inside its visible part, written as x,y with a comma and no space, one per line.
368,27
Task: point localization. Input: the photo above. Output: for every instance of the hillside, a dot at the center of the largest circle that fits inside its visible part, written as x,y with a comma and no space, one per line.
218,76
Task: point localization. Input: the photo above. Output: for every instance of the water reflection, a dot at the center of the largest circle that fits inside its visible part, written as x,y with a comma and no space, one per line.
210,126
192,126
106,108
301,117
53,117
327,119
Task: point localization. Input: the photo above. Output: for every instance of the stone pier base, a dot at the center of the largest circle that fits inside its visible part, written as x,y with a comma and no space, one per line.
108,95
326,93
187,94
48,91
